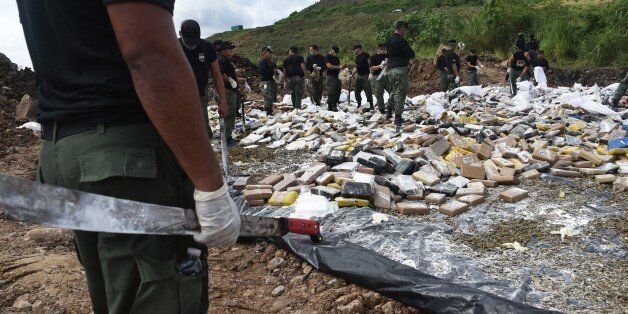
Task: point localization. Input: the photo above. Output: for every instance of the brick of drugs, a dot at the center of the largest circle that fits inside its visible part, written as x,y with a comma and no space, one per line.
502,162
459,181
544,155
382,198
289,180
473,171
335,157
507,172
313,172
258,187
365,170
490,169
257,194
412,208
325,179
440,146
453,208
408,186
531,174
469,191
565,173
425,178
486,183
271,179
513,195
391,157
605,178
485,151
525,157
283,198
435,198
405,166
472,199
240,183
394,188
583,164
592,171
259,202
591,156
329,193
506,180
357,190
349,202
444,188
298,188
411,153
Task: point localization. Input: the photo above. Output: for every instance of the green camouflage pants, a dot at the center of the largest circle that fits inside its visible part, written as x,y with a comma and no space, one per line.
512,79
398,78
620,91
362,84
269,90
473,78
315,90
128,273
447,81
295,84
379,86
333,92
232,109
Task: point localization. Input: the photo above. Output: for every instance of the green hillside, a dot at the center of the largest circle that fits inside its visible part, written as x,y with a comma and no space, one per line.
584,32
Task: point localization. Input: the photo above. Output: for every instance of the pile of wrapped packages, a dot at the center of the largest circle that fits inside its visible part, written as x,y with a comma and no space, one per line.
452,147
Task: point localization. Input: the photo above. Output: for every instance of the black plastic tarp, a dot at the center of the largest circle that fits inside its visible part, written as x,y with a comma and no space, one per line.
397,281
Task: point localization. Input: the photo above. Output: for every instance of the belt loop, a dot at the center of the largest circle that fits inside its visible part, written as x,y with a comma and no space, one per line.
55,127
100,128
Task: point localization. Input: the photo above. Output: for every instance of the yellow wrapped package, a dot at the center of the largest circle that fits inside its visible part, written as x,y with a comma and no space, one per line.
334,186
455,152
543,126
577,127
349,202
467,120
341,180
285,198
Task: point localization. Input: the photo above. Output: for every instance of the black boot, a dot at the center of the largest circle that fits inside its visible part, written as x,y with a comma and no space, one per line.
389,113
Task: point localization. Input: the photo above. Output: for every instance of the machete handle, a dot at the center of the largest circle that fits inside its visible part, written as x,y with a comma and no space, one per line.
303,226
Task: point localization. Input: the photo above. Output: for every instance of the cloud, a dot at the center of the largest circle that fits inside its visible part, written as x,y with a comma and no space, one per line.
214,16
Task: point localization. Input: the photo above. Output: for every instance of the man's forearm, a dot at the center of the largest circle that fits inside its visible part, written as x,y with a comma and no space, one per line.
166,87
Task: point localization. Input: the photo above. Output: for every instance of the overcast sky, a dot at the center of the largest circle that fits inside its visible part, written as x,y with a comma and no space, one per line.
213,15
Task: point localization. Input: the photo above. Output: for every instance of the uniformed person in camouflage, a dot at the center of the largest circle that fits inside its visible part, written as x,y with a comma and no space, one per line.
399,55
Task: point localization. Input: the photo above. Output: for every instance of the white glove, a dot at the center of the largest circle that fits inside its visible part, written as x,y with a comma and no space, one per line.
233,83
383,64
518,79
509,71
218,216
457,80
317,68
247,88
307,81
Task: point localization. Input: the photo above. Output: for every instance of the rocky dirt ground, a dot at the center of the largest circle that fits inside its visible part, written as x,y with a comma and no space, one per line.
39,271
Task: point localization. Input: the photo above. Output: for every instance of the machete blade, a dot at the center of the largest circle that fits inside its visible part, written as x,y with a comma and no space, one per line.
59,207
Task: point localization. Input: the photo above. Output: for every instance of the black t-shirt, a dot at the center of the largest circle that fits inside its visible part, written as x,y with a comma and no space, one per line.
541,63
334,61
81,73
362,63
443,63
376,60
200,58
520,61
454,59
399,51
292,65
473,61
317,59
532,45
266,70
227,68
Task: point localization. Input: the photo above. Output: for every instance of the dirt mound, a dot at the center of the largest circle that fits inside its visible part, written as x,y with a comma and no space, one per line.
585,76
15,82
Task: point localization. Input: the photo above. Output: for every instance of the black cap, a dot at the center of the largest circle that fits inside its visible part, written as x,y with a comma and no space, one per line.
190,32
335,48
293,49
452,41
217,44
314,46
443,50
400,24
357,47
226,45
267,49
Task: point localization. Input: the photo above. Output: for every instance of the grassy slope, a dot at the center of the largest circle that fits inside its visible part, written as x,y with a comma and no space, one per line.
347,22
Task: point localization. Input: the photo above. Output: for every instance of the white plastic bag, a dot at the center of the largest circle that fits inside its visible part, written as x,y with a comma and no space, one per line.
434,108
539,76
309,205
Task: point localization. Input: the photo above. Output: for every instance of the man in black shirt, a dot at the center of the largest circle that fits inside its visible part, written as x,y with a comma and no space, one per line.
294,66
444,67
381,83
332,64
121,120
231,82
399,55
453,78
540,61
362,69
518,67
267,69
315,64
520,41
202,58
473,64
532,47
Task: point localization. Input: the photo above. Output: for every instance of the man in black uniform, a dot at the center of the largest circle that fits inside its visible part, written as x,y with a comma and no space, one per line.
453,79
315,64
532,47
332,64
520,41
294,66
231,82
473,63
399,55
202,58
121,120
444,67
362,69
518,67
540,61
381,84
267,69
